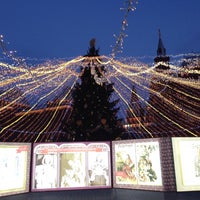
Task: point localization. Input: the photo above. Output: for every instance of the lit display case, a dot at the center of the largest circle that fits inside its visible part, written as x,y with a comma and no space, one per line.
14,168
187,163
62,166
143,164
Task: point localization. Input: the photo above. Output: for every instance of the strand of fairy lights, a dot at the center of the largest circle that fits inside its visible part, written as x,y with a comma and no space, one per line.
22,69
129,88
26,111
30,90
147,103
11,67
179,91
132,112
122,68
128,7
130,108
54,114
151,69
11,54
160,75
41,98
44,123
40,73
165,99
26,92
121,71
55,111
168,101
186,82
65,64
174,89
13,102
180,109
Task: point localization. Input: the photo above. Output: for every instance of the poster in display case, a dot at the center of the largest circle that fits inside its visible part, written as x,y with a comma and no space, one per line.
137,164
148,163
14,168
186,152
125,163
61,166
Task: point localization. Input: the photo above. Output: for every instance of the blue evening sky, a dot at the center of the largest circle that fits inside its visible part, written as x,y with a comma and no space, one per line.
63,28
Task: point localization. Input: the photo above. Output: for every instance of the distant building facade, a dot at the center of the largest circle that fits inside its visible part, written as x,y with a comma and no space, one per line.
173,108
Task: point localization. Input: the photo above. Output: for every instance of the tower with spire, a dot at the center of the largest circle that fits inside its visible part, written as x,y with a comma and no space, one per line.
161,60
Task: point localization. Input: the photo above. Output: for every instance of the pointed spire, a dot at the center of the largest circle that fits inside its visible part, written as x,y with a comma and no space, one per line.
161,51
161,55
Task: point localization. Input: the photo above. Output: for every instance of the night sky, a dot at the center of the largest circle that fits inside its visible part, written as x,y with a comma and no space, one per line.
63,28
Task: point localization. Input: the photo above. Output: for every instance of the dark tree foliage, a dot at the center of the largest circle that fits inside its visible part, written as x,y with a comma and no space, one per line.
94,115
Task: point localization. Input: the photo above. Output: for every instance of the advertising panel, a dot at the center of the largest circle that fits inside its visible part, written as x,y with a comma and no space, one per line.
187,163
137,164
148,163
14,168
61,166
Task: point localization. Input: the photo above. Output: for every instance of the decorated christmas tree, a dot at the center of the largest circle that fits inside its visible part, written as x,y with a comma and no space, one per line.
94,116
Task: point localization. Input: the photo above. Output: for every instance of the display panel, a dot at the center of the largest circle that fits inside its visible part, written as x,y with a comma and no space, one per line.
137,164
14,168
71,166
125,163
148,163
187,163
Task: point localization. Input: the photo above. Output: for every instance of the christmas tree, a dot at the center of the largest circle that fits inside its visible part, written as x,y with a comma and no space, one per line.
94,116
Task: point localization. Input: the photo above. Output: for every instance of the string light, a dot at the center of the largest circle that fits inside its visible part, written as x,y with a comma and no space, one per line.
51,77
129,6
60,102
11,54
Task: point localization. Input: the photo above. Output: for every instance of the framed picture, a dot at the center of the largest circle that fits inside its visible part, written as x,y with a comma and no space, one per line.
125,164
45,166
187,163
72,165
14,168
61,166
99,167
148,163
137,164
